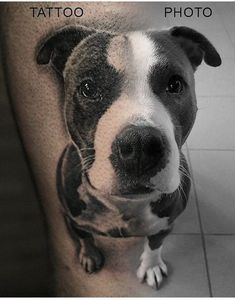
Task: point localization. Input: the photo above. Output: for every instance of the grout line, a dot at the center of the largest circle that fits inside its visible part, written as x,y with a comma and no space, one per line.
186,233
215,96
205,234
220,234
208,149
226,97
201,228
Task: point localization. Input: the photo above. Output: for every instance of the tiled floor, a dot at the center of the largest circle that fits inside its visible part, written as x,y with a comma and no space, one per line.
209,220
201,250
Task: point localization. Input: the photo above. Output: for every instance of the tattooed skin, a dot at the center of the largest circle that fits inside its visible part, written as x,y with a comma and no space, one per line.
129,105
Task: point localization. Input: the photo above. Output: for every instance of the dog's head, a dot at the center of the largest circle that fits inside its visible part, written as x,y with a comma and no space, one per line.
129,102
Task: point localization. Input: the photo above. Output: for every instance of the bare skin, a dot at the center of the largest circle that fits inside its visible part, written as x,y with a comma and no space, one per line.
36,98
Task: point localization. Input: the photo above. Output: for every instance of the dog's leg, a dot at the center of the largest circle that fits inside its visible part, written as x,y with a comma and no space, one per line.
90,256
152,267
68,181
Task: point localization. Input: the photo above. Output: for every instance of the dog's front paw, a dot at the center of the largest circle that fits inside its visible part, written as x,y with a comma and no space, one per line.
152,275
152,268
91,259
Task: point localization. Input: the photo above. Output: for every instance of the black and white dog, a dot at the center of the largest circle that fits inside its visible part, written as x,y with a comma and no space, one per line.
129,106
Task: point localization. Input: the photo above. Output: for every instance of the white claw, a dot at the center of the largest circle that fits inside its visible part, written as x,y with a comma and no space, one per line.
158,275
150,278
140,274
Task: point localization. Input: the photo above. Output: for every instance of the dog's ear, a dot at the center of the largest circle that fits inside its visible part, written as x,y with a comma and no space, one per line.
196,46
57,47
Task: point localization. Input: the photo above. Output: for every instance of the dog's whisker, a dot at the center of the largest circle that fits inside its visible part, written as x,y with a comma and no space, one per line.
185,175
181,191
88,158
86,165
184,171
85,160
131,123
120,231
185,196
84,149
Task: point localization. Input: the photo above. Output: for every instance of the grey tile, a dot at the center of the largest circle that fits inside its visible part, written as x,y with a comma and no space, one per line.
231,33
224,8
214,179
223,43
218,81
226,12
221,261
215,123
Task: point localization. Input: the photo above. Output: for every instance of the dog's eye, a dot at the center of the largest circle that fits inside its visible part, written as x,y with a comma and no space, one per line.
175,85
88,89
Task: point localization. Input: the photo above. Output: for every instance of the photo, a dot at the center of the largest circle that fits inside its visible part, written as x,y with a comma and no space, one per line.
117,143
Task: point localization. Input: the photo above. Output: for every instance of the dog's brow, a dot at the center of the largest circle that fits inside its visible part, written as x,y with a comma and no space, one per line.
164,67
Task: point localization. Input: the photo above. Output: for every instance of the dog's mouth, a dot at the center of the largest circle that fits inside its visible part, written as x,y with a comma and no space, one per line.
140,191
136,189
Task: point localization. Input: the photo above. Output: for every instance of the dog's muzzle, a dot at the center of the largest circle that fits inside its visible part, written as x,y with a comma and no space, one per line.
139,153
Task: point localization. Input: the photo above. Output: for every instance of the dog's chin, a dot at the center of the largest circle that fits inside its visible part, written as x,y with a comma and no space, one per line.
135,191
154,193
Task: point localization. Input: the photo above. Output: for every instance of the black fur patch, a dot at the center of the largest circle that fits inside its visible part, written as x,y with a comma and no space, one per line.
69,179
155,241
76,232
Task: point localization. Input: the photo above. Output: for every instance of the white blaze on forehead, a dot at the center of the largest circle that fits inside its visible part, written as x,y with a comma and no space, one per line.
136,102
143,53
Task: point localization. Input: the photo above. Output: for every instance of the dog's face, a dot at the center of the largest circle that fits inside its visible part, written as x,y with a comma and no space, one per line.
129,102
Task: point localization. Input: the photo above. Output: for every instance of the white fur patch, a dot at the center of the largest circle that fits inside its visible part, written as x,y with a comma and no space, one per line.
152,267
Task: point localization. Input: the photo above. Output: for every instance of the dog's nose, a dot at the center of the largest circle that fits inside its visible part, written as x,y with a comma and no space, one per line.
139,150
